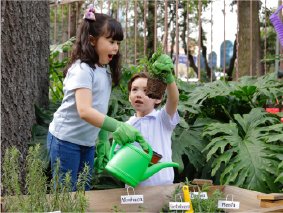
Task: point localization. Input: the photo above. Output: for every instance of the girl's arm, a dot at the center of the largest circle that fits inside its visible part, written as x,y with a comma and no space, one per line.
172,98
85,109
122,133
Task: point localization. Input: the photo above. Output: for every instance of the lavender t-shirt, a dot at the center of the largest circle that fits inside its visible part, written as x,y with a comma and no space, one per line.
67,124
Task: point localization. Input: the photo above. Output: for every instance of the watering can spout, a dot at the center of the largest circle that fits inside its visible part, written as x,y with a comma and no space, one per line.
156,168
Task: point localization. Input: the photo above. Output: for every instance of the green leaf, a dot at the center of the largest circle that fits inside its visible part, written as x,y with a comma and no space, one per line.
250,161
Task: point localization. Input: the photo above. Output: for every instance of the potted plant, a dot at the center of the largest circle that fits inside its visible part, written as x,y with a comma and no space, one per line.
159,67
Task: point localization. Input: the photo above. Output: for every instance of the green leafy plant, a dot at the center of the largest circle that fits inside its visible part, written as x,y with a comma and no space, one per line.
220,100
247,150
199,205
58,60
210,204
37,199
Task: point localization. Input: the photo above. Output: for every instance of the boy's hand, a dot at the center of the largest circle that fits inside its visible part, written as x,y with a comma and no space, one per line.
164,65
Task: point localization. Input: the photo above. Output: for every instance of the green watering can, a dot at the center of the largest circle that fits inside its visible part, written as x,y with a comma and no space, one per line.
131,164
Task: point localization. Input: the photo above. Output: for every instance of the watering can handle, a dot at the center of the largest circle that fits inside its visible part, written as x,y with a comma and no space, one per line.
112,150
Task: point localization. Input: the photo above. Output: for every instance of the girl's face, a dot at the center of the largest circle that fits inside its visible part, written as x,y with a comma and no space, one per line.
138,98
106,48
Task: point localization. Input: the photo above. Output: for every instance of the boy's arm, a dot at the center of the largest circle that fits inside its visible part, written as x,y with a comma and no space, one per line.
165,66
172,98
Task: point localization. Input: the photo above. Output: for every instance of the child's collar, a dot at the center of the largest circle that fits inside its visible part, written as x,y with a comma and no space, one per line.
153,113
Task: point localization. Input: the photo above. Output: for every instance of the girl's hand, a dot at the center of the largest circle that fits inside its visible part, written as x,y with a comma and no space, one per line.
102,151
125,133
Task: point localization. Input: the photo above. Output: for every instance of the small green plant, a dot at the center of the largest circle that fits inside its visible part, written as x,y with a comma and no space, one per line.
163,69
199,205
210,204
36,199
117,209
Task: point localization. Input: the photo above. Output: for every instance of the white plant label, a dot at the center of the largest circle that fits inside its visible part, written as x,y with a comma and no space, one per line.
228,204
201,195
179,205
131,199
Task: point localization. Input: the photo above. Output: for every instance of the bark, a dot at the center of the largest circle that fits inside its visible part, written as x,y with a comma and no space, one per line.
204,52
232,62
24,70
150,28
249,58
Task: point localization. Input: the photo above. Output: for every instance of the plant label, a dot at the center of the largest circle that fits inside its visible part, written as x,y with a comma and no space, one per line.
131,199
200,195
227,204
179,206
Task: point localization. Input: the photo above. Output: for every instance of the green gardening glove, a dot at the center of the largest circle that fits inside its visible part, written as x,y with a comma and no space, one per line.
163,66
102,151
123,133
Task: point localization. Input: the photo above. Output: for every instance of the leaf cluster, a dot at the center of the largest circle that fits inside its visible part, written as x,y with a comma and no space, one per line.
155,68
58,60
223,105
250,149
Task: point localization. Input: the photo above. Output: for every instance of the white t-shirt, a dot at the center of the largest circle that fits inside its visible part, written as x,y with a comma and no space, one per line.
67,124
157,128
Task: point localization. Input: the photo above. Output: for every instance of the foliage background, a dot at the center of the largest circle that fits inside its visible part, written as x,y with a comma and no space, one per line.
224,134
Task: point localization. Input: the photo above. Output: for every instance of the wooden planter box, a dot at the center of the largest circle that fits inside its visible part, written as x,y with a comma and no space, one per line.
157,196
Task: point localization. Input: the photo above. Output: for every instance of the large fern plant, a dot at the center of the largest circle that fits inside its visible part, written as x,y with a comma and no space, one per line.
247,151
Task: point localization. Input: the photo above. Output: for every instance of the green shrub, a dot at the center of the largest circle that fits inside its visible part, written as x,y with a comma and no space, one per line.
37,199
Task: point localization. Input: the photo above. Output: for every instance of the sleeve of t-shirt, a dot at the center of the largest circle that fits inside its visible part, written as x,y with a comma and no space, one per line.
79,76
167,121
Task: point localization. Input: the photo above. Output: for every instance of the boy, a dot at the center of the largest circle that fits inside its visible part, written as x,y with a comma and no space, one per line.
156,126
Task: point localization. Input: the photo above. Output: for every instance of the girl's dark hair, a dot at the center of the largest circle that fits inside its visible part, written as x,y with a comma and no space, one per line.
103,25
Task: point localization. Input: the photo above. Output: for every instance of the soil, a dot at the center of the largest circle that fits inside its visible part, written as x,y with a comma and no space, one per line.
155,88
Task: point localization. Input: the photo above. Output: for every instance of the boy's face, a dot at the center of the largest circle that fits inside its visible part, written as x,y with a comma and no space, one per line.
139,100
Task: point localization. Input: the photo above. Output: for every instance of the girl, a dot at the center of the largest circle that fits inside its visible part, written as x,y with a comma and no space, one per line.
94,65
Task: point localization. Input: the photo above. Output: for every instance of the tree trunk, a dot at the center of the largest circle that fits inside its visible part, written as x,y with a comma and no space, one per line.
249,49
24,70
204,53
232,62
150,29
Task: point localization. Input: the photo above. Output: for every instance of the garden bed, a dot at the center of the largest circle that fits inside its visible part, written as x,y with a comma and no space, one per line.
156,197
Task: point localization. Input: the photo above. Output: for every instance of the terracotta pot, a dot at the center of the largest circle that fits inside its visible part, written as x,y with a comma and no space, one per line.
155,88
155,157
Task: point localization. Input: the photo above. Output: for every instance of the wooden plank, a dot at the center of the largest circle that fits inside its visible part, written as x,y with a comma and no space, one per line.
271,203
272,196
202,182
110,200
265,210
247,198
